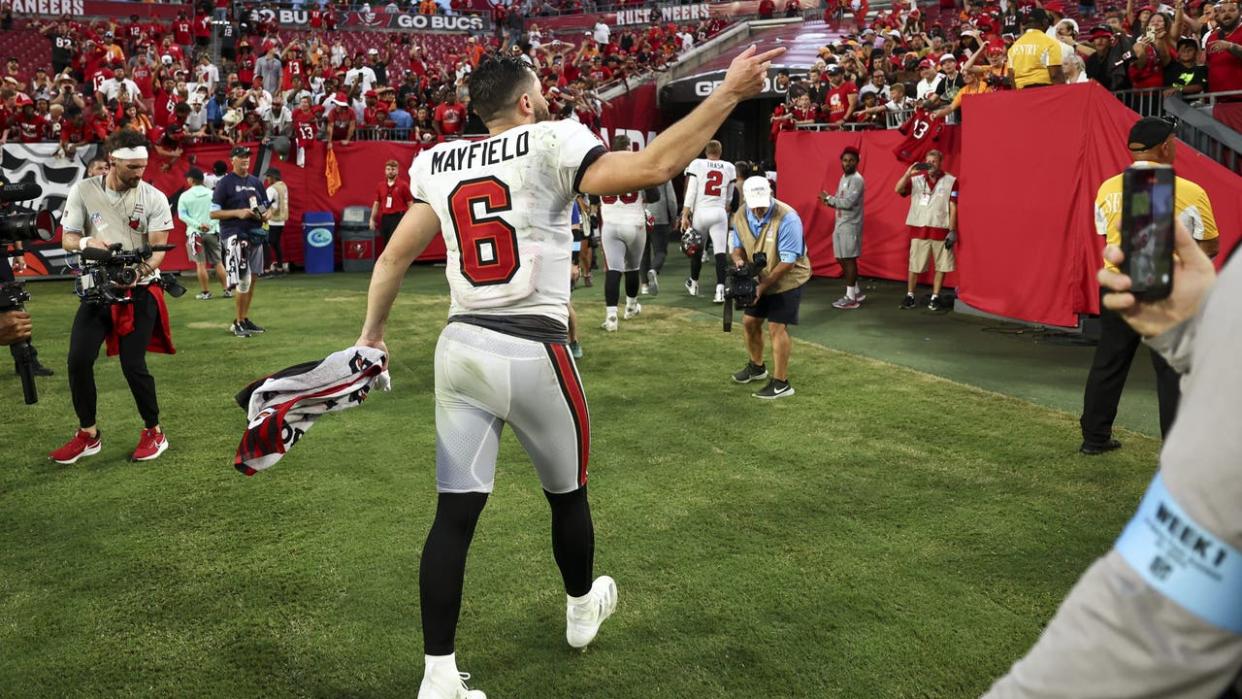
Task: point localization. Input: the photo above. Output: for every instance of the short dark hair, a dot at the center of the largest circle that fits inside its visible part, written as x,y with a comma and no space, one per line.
125,139
497,84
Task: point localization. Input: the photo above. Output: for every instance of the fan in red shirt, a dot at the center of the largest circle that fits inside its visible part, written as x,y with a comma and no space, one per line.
294,67
450,117
599,72
182,30
921,130
1151,73
342,121
143,76
134,30
782,120
165,102
766,9
316,18
1224,55
305,123
99,123
30,124
374,114
841,96
202,30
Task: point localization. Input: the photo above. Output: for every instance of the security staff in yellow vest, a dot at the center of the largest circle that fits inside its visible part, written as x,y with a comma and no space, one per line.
770,226
118,208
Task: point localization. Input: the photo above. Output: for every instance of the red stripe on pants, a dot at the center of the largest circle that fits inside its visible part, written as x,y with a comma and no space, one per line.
577,403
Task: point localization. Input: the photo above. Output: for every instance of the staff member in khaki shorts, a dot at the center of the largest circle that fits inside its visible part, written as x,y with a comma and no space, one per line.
932,222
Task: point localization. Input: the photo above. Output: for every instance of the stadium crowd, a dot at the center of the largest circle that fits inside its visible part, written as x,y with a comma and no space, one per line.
930,58
288,88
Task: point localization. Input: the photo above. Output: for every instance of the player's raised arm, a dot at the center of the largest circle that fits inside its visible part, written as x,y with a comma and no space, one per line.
418,226
664,158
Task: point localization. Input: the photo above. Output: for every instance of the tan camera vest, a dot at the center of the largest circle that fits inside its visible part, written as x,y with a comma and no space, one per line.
765,242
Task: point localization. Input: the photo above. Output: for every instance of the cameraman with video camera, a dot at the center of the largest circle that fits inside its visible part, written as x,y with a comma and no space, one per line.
767,230
239,202
117,214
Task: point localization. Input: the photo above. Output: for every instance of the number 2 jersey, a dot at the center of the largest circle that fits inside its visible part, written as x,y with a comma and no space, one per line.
504,208
712,184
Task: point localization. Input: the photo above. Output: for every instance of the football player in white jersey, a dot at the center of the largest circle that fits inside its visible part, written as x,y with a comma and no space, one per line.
503,206
709,189
624,236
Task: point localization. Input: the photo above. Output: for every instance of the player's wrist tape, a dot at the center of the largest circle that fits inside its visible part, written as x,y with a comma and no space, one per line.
83,242
1182,560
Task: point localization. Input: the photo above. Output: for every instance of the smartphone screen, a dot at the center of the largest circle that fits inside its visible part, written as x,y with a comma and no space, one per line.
923,166
1147,196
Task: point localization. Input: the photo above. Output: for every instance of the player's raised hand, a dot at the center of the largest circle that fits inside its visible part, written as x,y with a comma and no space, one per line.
748,71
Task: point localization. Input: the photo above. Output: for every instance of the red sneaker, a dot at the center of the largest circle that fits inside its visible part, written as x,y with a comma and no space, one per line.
150,445
82,444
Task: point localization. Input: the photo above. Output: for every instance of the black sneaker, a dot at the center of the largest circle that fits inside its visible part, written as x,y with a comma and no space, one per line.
1091,449
750,372
908,302
775,389
251,327
239,330
934,304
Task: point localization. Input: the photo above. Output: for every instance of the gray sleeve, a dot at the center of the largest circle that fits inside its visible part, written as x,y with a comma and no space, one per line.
1175,344
159,214
73,220
852,197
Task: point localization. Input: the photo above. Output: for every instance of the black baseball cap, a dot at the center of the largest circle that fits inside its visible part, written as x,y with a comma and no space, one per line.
1150,132
1187,41
272,173
240,152
194,174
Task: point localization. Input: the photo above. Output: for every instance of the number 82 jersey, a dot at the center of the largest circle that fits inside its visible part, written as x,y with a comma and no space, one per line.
504,208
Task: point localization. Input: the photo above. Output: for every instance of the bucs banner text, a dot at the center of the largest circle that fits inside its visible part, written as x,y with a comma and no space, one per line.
94,8
664,14
300,18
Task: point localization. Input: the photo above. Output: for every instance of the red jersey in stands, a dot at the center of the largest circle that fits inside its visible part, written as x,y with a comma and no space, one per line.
71,133
339,122
304,126
811,113
245,68
374,116
143,77
921,130
417,67
202,27
1151,74
394,198
294,68
1224,69
99,126
30,127
183,31
600,74
316,18
451,118
165,103
135,30
779,125
837,101
53,128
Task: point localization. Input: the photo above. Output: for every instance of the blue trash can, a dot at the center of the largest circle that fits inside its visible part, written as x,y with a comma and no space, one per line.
318,235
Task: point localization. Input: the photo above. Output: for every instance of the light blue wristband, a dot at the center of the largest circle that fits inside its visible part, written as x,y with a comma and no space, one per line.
1184,561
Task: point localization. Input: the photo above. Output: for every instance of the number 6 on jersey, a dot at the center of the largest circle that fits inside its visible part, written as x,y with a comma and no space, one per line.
487,244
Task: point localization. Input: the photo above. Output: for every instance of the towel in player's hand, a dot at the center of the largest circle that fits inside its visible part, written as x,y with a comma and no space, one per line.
280,408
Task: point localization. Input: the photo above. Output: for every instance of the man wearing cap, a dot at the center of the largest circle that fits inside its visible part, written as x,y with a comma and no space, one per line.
932,224
392,200
1035,58
1151,144
1224,49
278,201
841,96
930,80
240,204
951,80
202,233
769,226
118,209
848,227
1109,65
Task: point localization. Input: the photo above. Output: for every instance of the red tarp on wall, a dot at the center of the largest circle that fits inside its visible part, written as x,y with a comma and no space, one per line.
362,169
1028,181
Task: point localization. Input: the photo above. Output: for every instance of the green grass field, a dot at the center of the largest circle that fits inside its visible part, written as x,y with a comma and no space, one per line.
884,533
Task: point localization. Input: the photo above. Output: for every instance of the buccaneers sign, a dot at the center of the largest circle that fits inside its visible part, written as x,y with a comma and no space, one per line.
459,24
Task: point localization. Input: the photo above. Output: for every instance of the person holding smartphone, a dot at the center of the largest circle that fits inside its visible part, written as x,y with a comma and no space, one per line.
1151,144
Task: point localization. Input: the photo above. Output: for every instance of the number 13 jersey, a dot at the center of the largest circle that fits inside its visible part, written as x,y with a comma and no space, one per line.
504,207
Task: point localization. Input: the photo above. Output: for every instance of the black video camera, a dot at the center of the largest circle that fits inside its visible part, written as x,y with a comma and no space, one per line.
108,274
19,224
13,297
741,286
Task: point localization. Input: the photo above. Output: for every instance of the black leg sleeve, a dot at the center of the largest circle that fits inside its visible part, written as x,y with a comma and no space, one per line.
658,243
134,357
442,570
696,267
90,326
631,284
612,287
721,259
573,540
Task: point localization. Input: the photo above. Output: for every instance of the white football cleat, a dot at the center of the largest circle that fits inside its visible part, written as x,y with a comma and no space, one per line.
447,685
653,282
632,311
610,324
692,287
582,620
719,298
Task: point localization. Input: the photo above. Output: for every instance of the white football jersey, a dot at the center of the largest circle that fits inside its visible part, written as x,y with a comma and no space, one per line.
713,182
624,209
504,206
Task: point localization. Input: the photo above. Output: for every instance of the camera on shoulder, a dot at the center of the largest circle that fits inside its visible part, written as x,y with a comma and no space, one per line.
741,286
108,274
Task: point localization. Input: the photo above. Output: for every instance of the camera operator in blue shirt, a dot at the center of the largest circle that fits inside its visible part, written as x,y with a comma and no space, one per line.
239,202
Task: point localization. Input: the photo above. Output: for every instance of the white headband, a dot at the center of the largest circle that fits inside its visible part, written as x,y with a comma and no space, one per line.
130,153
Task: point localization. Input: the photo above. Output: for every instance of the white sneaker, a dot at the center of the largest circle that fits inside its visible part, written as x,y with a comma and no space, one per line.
582,621
447,685
610,323
632,311
719,298
643,289
203,296
692,287
653,282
